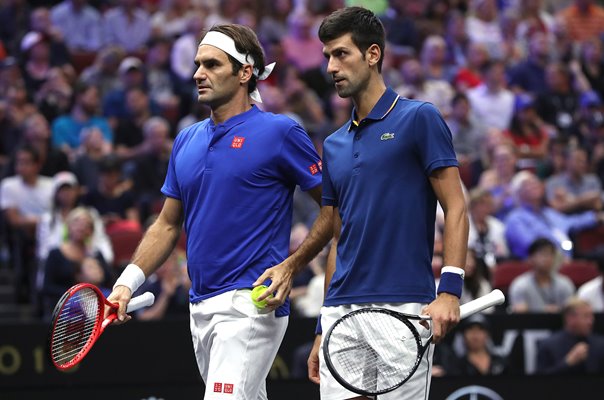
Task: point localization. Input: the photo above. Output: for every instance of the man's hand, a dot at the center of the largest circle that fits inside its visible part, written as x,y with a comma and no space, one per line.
313,362
121,295
444,312
577,354
282,278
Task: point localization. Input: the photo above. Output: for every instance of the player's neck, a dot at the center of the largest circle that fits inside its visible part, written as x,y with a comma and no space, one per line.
237,105
365,100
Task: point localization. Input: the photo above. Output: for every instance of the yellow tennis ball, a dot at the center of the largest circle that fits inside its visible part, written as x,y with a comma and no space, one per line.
256,292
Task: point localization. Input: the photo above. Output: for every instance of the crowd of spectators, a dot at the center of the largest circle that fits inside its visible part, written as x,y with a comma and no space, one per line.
93,92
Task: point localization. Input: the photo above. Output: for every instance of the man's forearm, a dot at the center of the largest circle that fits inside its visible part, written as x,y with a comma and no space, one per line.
155,247
456,237
318,237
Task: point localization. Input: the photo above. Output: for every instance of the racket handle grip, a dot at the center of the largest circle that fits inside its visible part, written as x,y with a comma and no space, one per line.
494,298
144,300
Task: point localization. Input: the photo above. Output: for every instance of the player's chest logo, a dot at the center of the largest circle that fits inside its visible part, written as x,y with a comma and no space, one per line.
387,136
237,142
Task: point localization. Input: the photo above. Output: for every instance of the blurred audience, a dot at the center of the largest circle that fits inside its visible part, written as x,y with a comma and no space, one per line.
542,289
592,291
73,260
478,358
575,190
476,281
67,129
576,349
112,197
487,234
533,219
498,179
127,25
528,133
52,228
492,103
79,24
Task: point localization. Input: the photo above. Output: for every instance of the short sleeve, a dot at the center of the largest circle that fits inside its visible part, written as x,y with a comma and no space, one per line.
8,199
170,187
433,139
328,197
300,160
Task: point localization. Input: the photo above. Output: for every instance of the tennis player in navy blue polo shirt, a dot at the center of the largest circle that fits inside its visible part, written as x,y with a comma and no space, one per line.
383,173
230,180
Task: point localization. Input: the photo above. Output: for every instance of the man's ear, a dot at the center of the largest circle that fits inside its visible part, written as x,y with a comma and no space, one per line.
373,54
245,73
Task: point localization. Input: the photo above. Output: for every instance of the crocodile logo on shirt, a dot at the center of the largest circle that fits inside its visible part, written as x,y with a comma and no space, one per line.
387,136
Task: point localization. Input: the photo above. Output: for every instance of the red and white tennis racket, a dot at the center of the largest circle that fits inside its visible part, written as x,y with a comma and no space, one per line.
78,321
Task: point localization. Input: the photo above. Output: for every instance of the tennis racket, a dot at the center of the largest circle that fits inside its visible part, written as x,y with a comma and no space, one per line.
374,350
77,322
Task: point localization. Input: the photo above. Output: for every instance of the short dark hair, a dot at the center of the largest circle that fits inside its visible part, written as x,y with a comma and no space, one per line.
540,244
364,26
490,64
246,42
110,163
33,152
459,96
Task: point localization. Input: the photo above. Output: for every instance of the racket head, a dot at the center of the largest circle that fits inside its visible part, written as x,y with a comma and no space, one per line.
372,351
77,322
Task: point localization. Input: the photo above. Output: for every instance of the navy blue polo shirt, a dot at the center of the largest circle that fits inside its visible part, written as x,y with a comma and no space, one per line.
236,182
376,172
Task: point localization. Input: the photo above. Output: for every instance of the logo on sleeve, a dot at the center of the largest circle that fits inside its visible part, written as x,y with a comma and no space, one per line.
217,387
237,142
314,169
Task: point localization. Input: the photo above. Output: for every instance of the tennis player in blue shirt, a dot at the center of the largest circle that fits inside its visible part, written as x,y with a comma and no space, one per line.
231,180
383,173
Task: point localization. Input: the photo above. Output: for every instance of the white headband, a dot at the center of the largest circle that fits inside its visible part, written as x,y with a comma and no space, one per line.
227,44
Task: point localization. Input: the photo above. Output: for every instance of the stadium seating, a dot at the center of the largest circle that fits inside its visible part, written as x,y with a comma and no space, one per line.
580,271
506,271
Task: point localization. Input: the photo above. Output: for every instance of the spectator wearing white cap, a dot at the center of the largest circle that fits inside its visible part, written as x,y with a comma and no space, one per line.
132,74
51,229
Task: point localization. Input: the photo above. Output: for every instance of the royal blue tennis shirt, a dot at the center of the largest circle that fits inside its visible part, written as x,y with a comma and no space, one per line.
236,182
377,173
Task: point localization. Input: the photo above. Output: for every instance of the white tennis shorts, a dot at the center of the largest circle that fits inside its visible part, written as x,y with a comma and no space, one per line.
416,388
235,345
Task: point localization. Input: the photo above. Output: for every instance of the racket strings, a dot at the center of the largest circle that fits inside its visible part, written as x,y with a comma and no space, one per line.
75,324
373,351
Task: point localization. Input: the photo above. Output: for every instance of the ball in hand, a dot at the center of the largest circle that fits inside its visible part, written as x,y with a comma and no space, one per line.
256,292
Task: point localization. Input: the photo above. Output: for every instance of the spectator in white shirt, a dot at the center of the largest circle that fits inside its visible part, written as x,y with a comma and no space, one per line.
592,291
492,103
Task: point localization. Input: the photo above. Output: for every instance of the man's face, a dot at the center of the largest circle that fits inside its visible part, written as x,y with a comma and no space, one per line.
532,190
90,100
577,162
137,102
580,321
25,165
216,83
543,259
347,66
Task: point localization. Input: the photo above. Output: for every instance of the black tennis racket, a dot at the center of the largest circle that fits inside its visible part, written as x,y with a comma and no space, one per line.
372,351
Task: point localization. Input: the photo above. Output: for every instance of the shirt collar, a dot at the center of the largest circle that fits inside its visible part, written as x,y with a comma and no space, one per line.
237,119
384,105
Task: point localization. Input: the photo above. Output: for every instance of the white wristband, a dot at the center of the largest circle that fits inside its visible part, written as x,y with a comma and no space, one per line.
132,277
454,270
